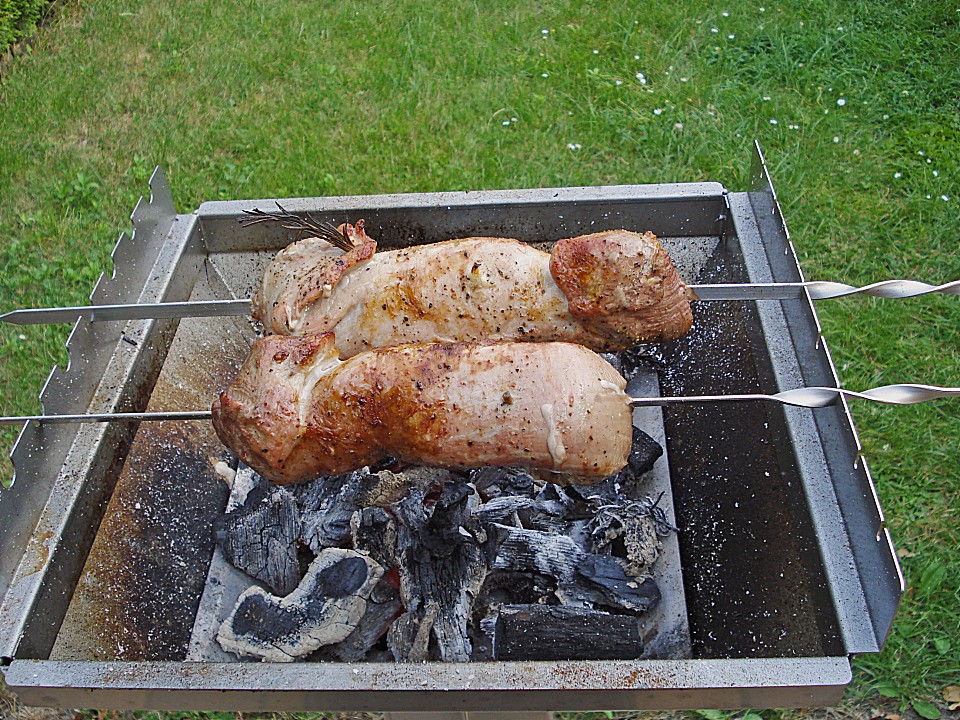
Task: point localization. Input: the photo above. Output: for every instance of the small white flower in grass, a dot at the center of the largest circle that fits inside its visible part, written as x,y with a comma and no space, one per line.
618,82
886,117
683,79
658,111
514,119
574,146
596,52
545,75
678,126
898,175
945,198
766,97
856,151
841,102
636,57
505,123
21,336
793,126
725,13
642,78
762,9
936,174
714,30
773,121
731,36
836,138
545,32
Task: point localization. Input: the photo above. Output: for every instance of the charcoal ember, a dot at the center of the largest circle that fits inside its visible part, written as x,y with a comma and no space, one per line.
383,607
644,453
582,578
325,608
551,632
440,563
492,482
409,636
503,508
374,531
505,587
326,506
603,582
260,536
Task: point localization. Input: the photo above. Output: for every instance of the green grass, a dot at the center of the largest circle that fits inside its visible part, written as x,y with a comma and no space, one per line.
855,103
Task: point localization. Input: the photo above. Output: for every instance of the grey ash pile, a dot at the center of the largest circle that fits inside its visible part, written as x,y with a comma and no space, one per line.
413,564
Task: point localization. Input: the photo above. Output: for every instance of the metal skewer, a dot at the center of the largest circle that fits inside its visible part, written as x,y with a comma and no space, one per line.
818,290
809,397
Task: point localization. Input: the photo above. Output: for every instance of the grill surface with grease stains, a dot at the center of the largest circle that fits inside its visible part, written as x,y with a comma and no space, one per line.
105,536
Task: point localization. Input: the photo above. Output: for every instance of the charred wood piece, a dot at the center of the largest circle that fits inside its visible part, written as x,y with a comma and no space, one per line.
551,632
583,579
326,506
325,608
440,563
383,607
493,482
260,536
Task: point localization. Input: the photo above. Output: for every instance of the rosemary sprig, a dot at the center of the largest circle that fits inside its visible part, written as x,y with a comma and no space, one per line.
305,226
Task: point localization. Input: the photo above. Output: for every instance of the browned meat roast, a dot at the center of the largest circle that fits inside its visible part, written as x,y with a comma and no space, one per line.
607,291
296,411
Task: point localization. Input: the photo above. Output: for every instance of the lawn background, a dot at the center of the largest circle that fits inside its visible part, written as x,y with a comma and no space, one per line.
856,104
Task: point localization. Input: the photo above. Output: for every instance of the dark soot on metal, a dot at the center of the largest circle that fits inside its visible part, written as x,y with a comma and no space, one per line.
752,573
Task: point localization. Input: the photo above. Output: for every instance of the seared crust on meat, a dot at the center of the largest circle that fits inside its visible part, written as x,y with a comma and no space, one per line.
295,411
623,286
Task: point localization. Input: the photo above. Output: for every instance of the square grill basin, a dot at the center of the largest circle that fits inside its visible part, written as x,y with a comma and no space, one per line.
105,536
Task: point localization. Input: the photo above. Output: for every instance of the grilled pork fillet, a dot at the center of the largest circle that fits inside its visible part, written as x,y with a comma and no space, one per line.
608,291
296,411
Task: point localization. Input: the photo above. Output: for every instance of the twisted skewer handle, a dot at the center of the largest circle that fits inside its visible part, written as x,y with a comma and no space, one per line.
815,397
824,289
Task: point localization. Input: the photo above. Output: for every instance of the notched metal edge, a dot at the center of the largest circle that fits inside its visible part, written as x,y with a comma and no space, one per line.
40,450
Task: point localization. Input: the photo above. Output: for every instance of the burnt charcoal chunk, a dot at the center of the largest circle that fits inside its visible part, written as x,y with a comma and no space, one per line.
581,577
326,506
383,606
605,583
644,453
259,611
494,482
441,565
284,629
543,632
260,537
342,578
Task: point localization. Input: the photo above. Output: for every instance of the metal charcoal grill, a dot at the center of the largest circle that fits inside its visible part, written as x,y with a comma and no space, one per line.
105,540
